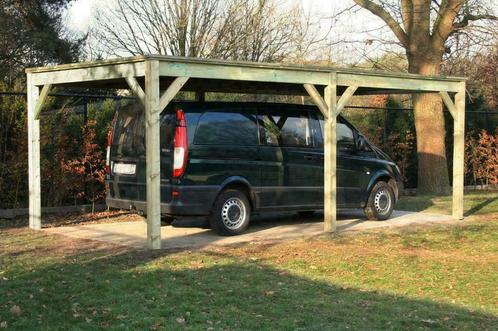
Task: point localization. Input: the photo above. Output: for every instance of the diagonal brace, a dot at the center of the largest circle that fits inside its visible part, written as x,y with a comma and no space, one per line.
317,99
136,89
41,100
322,105
449,103
172,90
345,98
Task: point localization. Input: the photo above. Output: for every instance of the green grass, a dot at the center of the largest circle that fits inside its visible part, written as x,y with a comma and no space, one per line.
475,203
440,277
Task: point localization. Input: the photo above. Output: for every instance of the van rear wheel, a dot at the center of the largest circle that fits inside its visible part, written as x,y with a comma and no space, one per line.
231,213
380,203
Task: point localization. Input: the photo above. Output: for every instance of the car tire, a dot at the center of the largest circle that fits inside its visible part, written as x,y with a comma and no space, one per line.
167,219
380,202
231,213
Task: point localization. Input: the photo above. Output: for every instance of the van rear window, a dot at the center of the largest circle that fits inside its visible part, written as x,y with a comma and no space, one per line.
216,128
129,133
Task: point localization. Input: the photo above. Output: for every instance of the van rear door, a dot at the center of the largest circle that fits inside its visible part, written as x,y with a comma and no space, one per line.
127,155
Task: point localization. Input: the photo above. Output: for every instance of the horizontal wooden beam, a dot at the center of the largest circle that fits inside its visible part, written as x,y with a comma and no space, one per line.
259,74
408,84
317,99
41,100
136,89
449,103
105,72
172,90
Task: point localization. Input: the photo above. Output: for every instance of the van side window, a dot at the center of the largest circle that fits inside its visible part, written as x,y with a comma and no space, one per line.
227,128
286,130
345,137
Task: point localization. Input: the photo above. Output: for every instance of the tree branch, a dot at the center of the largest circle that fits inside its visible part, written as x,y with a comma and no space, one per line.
469,17
443,26
407,15
377,10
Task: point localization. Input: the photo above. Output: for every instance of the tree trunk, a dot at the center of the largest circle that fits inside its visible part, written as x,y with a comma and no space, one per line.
429,125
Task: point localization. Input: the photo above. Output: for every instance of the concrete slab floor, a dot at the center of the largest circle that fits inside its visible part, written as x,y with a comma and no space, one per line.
193,233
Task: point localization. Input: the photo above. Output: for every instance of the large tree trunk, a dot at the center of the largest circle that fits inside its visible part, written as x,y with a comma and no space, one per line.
430,129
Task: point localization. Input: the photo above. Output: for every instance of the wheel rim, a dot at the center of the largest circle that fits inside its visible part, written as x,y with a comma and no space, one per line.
233,213
382,201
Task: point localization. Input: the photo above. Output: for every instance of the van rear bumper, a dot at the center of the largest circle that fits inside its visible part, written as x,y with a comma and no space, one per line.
191,201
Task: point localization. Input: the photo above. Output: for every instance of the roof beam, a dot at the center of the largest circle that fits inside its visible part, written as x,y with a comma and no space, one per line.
88,74
408,83
252,73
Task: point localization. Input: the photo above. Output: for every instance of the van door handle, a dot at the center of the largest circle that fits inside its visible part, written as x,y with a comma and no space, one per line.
309,157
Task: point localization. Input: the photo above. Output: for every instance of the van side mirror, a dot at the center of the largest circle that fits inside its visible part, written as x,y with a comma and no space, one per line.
360,143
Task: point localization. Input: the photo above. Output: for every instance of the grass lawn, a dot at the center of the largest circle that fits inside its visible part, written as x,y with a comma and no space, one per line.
475,203
439,277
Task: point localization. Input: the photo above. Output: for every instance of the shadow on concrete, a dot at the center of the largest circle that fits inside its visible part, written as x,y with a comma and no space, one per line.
264,228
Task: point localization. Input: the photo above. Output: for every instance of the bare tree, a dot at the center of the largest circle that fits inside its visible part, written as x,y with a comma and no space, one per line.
254,30
426,30
175,27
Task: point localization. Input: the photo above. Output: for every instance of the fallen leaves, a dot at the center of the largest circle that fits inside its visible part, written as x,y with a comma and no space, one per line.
16,310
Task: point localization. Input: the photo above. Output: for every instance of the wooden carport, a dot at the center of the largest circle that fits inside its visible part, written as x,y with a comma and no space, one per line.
155,80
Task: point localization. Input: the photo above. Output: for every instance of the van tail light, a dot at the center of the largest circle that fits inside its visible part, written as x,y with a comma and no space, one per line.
109,144
180,144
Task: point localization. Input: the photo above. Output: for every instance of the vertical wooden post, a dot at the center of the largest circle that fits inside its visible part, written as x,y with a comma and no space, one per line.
33,157
330,157
152,113
458,153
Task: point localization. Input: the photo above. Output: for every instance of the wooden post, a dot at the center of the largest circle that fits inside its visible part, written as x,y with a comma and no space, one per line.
152,124
330,157
458,152
33,157
330,108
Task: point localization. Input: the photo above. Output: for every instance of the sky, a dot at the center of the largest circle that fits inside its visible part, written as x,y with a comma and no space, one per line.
80,14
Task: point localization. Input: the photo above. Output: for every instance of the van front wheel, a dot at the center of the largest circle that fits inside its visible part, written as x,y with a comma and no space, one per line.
231,213
380,203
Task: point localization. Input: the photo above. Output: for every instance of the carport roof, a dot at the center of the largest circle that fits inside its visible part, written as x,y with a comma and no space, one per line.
208,75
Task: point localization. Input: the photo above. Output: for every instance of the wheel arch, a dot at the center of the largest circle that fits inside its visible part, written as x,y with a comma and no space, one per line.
239,183
384,176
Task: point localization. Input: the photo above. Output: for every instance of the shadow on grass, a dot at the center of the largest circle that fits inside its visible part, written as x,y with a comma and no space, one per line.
143,290
475,209
415,203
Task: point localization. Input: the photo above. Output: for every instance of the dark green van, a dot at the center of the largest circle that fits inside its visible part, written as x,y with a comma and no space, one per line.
228,160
